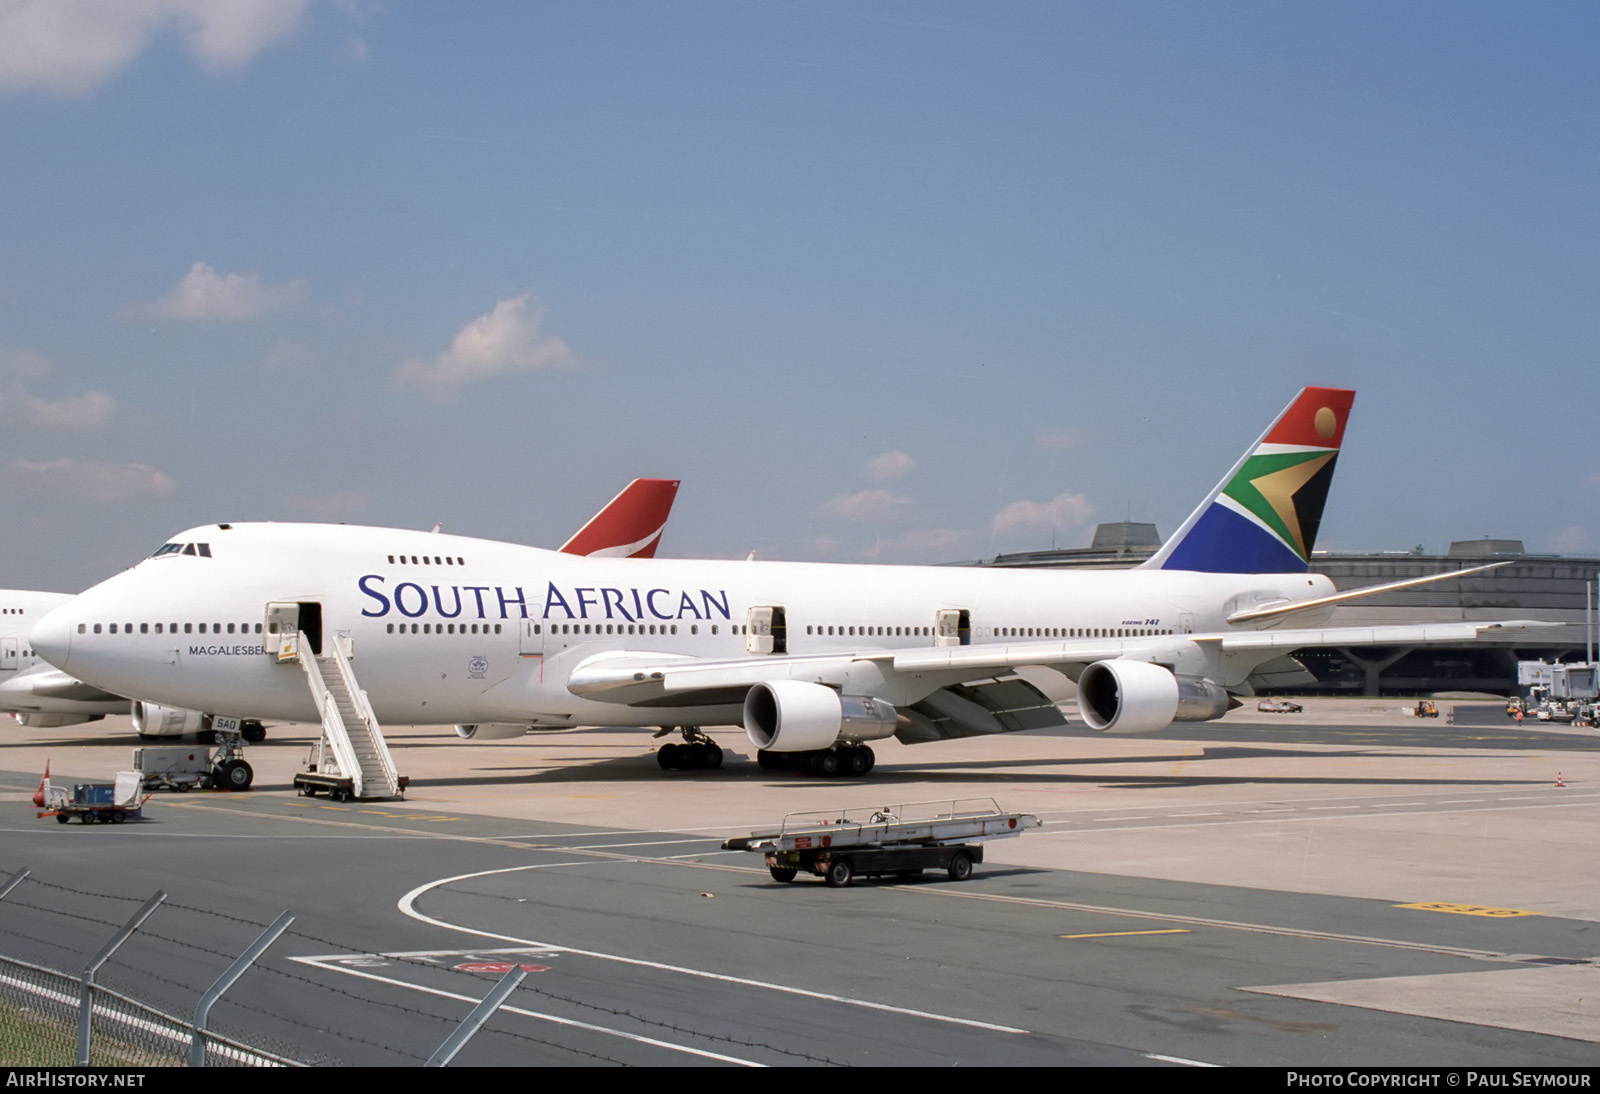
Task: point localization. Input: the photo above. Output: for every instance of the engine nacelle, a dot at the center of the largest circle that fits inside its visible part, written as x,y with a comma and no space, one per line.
794,716
52,721
155,720
1123,696
490,731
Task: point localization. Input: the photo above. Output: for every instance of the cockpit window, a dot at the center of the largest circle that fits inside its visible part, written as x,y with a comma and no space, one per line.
201,549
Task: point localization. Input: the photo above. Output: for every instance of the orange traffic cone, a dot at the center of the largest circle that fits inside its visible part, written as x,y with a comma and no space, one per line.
1559,783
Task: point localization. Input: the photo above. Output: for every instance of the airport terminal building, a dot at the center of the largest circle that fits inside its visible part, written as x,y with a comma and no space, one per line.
1545,587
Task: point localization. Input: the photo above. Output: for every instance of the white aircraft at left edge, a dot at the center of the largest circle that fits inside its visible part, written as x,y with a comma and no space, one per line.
629,526
816,660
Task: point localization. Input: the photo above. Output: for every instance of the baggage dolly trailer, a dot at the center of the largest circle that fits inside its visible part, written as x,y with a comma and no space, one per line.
899,839
106,803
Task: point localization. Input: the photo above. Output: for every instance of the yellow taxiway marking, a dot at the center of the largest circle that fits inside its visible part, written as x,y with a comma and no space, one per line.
430,817
1123,934
1466,909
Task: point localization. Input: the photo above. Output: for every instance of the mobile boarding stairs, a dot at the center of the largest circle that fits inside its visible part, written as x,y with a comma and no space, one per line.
351,760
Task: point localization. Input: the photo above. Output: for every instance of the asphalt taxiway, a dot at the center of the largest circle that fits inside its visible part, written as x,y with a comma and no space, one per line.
1343,886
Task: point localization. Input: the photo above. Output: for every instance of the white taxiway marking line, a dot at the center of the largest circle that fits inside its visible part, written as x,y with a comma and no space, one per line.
407,906
1058,829
1178,1060
641,843
556,1019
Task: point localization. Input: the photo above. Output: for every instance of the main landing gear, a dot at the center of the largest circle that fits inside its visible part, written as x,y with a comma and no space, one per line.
850,761
697,751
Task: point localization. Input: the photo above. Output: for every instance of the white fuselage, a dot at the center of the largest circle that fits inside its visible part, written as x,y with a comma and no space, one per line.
29,686
445,629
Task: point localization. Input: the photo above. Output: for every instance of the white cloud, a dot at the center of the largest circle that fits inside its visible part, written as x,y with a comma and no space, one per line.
290,356
505,341
921,545
94,480
205,296
1570,540
1062,511
71,47
865,505
1062,438
18,405
84,411
890,466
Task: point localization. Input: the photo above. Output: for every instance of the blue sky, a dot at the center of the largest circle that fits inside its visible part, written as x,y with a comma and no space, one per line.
899,281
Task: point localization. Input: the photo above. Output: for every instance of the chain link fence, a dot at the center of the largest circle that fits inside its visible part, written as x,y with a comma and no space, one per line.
309,1000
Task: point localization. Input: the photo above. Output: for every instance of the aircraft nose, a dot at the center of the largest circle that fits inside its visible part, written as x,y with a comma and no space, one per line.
51,637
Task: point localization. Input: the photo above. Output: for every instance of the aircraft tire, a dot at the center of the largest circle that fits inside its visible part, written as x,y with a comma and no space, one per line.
714,755
667,757
237,775
872,758
829,764
856,763
253,731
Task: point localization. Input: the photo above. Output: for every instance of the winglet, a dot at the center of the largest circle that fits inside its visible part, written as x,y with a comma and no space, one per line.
631,525
1262,518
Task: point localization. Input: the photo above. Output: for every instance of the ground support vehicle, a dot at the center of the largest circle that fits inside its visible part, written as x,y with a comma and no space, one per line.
179,768
1279,706
107,803
337,787
898,839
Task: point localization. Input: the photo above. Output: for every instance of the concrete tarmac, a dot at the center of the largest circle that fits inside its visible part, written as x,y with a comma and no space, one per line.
1348,885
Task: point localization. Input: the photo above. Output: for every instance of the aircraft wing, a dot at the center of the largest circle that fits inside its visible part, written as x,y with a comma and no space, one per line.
44,682
648,679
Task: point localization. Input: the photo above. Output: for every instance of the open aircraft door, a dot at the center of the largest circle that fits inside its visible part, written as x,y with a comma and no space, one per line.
766,631
286,620
952,627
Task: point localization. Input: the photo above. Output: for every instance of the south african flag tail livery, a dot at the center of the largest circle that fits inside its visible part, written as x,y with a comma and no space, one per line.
1263,516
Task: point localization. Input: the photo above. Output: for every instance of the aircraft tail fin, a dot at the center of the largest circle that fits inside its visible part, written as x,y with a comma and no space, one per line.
1262,518
630,526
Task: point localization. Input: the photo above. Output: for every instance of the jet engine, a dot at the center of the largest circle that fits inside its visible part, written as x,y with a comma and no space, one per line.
155,720
794,716
1123,696
490,731
51,721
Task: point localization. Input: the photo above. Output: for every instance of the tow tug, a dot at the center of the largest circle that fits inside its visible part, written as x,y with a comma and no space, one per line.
895,839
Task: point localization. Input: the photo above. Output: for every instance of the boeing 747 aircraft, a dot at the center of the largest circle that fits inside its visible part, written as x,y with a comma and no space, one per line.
629,526
815,660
